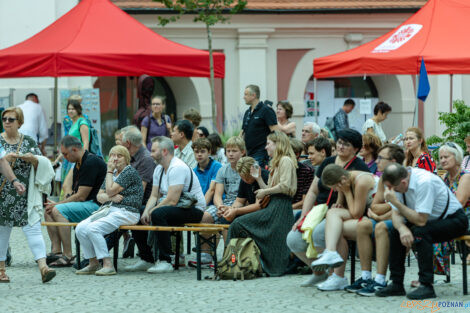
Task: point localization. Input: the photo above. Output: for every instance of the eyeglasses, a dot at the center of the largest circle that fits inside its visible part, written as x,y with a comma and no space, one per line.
8,119
382,158
156,103
343,143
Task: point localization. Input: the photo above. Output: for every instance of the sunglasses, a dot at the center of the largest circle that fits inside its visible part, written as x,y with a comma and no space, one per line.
451,144
8,119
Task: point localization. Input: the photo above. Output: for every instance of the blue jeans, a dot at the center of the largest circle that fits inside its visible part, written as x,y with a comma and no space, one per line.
75,212
261,157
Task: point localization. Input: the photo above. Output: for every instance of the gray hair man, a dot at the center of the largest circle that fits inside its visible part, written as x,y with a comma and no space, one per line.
172,180
310,131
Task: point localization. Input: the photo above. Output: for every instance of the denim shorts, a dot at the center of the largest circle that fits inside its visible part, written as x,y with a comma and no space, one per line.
388,223
75,212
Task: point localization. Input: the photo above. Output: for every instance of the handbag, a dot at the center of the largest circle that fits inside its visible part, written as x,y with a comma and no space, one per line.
187,199
12,163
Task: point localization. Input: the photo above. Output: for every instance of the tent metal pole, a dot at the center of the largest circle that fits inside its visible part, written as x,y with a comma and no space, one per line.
451,91
416,114
315,103
54,126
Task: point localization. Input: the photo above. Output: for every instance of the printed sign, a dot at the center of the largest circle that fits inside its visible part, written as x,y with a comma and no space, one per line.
399,38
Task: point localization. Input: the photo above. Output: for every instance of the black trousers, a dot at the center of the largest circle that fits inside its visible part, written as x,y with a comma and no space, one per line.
435,231
171,216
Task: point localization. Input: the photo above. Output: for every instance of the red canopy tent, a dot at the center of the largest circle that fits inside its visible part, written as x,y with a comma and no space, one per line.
96,38
437,33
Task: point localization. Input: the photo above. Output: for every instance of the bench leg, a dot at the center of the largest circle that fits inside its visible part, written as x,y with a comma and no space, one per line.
452,253
198,255
352,251
463,254
115,235
77,249
188,242
214,250
155,248
177,252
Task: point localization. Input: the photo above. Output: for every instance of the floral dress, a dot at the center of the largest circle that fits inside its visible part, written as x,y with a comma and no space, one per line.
14,207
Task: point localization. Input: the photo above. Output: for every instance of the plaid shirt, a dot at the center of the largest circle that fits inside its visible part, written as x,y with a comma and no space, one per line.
341,120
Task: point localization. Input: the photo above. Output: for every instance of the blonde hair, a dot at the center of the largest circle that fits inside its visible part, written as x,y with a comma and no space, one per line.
419,134
121,150
236,141
18,112
244,165
283,148
467,139
332,174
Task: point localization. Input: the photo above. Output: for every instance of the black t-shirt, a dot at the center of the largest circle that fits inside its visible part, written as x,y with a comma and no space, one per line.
247,191
324,192
256,127
91,174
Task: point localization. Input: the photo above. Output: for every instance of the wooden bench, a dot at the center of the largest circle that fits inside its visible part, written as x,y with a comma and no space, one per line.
209,234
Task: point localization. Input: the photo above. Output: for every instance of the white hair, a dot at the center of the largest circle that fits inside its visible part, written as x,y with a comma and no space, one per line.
315,128
453,148
132,134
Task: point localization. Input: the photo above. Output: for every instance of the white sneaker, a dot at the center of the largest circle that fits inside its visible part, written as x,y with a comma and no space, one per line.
161,267
182,262
141,265
327,259
314,279
333,282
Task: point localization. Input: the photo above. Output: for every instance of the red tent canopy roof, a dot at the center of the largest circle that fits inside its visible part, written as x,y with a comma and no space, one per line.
96,38
438,33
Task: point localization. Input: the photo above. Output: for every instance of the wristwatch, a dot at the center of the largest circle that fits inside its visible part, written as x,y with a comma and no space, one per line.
13,181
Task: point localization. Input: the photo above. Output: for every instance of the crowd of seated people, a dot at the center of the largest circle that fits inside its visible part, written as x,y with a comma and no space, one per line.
171,173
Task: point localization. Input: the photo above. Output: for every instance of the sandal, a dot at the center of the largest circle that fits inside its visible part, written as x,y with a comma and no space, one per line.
52,257
47,274
3,276
415,284
63,261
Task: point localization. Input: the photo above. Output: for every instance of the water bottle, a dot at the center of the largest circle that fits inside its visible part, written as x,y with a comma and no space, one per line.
397,139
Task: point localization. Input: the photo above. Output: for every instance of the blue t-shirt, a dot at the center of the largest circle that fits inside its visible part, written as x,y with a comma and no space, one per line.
208,175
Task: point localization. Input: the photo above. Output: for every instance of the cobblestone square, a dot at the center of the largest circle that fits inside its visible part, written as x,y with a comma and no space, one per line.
181,292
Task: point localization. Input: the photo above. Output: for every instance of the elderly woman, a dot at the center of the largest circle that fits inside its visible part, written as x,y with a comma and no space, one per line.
457,179
466,161
121,194
21,151
370,150
284,113
372,125
269,226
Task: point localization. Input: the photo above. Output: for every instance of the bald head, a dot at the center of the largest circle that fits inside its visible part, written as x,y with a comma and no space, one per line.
394,173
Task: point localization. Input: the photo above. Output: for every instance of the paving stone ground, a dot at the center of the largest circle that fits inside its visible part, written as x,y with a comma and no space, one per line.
181,292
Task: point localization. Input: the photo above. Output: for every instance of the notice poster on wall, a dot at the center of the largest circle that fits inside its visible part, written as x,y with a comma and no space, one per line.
90,107
325,98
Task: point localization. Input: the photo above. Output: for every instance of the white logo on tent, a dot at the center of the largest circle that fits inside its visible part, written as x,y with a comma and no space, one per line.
399,38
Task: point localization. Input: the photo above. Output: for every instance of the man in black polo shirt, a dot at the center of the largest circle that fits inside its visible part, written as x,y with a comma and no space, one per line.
259,120
88,175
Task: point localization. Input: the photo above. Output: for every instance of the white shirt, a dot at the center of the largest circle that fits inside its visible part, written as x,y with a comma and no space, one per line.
187,155
427,193
370,123
35,124
178,173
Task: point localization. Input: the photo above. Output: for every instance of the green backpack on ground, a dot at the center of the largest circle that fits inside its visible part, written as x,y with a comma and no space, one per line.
241,260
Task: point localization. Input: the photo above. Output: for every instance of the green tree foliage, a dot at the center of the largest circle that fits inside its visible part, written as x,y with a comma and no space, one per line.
457,126
209,12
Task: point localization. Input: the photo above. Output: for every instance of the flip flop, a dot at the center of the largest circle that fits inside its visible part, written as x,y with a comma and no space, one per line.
63,261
